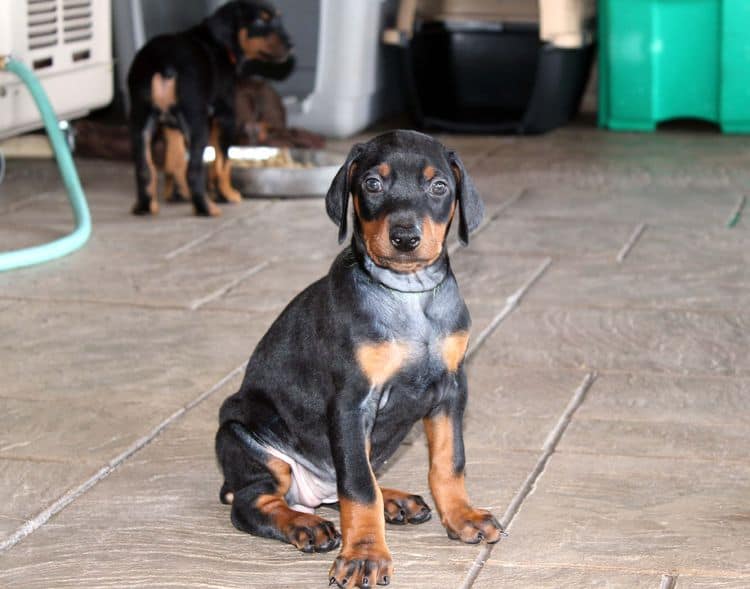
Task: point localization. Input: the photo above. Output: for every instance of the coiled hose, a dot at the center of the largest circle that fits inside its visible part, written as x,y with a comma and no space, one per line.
65,245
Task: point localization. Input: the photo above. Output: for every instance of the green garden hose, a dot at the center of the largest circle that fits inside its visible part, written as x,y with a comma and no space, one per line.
70,243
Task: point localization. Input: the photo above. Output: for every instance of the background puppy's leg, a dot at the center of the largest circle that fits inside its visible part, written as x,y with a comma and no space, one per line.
143,122
175,166
255,486
196,175
222,130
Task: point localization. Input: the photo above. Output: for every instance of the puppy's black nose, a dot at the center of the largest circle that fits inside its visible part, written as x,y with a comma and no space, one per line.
405,238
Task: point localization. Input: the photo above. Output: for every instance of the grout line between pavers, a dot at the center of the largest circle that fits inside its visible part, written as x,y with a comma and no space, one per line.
630,243
668,582
220,292
209,234
200,239
71,495
22,203
734,218
528,486
457,245
511,303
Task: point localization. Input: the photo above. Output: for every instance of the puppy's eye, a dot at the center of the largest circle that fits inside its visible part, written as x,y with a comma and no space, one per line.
373,185
438,188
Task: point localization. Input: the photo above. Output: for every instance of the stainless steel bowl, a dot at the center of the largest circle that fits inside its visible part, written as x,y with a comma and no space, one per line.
267,181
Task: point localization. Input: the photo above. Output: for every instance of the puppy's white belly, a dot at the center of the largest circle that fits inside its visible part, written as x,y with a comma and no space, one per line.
307,490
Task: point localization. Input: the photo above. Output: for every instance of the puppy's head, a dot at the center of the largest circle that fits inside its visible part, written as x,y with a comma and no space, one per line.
254,33
405,188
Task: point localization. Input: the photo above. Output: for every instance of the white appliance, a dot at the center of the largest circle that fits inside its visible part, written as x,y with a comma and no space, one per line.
68,44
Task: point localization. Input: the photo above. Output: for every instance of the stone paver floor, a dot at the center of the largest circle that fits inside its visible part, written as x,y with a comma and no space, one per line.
609,412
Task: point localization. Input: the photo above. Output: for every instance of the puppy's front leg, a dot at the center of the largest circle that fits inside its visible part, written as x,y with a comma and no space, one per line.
364,559
445,439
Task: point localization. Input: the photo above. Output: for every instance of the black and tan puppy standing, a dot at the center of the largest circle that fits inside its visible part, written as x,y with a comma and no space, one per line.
185,83
354,361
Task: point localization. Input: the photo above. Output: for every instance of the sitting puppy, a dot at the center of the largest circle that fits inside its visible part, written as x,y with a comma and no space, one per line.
354,361
185,83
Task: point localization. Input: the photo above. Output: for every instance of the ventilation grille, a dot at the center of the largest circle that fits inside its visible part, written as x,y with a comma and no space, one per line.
78,24
42,23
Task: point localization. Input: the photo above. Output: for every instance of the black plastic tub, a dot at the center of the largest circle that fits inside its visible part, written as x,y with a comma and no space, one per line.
492,78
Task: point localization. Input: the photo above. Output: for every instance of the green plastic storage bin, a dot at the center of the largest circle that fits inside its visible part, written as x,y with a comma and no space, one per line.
667,59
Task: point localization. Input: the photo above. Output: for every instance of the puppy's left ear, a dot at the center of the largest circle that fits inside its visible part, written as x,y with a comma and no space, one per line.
470,206
337,199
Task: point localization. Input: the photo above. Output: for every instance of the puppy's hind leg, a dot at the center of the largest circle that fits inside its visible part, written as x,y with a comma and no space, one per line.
222,130
196,176
143,123
175,166
255,485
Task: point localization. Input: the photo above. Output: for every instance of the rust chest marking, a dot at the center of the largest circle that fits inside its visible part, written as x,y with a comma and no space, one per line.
381,361
453,349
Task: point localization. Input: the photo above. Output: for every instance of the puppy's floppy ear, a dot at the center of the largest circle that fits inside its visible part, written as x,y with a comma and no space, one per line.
337,199
470,206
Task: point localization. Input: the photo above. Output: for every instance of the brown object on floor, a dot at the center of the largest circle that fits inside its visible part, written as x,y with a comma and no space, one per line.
257,108
99,140
261,120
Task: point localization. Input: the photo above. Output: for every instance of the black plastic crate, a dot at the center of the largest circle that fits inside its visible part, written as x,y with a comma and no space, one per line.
479,77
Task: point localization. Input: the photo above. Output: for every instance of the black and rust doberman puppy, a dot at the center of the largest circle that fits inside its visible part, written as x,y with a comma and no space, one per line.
354,361
185,83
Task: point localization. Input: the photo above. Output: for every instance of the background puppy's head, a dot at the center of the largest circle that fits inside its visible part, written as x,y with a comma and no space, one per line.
254,34
405,188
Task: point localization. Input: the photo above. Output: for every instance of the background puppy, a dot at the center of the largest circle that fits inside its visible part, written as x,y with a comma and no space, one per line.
185,83
353,362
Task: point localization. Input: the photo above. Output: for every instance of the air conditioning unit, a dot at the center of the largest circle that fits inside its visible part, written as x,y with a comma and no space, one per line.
68,44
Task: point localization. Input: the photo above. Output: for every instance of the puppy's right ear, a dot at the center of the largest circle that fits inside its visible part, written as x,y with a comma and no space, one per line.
337,199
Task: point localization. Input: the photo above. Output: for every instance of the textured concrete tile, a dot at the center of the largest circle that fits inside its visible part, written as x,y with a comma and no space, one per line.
684,418
551,237
102,274
26,486
667,268
497,575
514,408
102,354
490,279
661,439
274,287
657,206
635,514
13,236
88,432
25,181
661,399
723,582
674,342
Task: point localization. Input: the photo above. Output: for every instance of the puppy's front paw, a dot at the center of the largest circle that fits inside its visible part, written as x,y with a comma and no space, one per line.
362,566
472,525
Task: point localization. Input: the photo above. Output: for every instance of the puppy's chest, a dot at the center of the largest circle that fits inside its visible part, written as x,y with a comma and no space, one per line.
416,340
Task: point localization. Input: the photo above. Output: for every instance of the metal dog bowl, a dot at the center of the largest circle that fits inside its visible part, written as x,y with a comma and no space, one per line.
263,172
